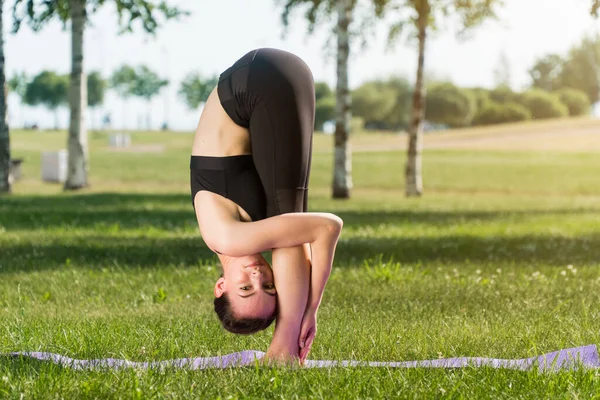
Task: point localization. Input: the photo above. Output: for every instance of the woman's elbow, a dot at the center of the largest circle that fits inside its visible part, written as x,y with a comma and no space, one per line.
335,224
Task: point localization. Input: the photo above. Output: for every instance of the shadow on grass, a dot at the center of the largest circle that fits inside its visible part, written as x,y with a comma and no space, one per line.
107,248
168,211
99,252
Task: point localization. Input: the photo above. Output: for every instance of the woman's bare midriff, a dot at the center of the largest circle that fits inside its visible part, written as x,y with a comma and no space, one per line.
217,135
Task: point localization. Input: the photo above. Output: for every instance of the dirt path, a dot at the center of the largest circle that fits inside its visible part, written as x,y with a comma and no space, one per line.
569,136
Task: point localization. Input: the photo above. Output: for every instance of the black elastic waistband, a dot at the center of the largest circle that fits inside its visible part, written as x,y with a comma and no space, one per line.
221,163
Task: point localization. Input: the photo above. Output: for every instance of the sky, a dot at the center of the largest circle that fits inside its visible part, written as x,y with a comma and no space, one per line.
218,32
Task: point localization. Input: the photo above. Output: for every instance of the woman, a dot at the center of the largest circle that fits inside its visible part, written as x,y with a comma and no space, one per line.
249,176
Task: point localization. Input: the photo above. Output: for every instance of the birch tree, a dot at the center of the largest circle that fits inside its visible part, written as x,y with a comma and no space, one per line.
147,12
419,17
343,11
5,184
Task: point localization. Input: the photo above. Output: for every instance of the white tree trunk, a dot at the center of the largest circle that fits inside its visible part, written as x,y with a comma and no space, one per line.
342,173
5,184
77,171
414,179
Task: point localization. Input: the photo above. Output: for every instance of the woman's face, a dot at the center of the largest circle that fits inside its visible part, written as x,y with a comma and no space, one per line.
248,282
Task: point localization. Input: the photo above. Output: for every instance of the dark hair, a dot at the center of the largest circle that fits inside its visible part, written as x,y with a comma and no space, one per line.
243,326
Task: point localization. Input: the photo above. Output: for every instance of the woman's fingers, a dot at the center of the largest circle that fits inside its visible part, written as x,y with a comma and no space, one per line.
308,344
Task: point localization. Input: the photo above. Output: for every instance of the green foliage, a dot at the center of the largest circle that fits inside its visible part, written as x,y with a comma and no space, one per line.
324,111
149,13
18,84
383,104
373,101
503,94
122,81
499,113
542,104
357,125
409,14
47,88
322,90
399,117
147,83
96,87
582,68
450,105
482,97
316,11
195,89
595,8
576,101
546,72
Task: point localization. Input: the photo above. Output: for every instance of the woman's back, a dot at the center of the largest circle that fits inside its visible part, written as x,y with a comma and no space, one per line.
217,135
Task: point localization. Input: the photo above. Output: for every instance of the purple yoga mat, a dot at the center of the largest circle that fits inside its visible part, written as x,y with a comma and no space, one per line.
584,356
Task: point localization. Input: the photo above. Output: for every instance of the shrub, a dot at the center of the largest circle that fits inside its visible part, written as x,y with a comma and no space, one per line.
503,95
576,101
482,97
450,105
324,111
496,113
542,104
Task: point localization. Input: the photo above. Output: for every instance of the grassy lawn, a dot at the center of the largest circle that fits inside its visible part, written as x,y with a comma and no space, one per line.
499,259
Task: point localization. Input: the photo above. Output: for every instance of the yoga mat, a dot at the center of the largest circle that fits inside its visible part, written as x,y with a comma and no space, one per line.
585,356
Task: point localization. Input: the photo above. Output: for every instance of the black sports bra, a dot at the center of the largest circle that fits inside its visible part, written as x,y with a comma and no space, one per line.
233,177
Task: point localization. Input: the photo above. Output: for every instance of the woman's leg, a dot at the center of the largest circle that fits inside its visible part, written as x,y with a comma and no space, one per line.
281,128
282,95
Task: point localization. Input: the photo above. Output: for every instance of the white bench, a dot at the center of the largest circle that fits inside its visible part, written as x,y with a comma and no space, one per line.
120,140
54,166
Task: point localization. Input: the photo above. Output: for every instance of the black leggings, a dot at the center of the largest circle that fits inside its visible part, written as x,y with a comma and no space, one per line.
271,92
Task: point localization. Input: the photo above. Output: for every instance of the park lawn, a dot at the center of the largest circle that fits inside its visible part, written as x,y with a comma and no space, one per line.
500,258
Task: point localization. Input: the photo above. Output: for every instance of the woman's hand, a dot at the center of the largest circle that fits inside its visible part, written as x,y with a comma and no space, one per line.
308,332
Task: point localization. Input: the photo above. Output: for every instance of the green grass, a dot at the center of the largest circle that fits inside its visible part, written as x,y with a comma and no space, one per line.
499,259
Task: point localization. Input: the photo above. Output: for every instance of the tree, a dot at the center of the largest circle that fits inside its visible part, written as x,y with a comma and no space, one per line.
96,87
399,116
324,111
18,85
322,90
50,90
422,15
374,102
5,184
502,74
322,11
325,104
77,11
195,89
482,97
146,85
546,72
582,68
122,81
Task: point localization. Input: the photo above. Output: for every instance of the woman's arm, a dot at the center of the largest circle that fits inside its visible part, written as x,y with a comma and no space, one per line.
291,268
228,235
323,253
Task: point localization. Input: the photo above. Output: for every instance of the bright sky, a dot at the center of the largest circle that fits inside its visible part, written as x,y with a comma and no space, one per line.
219,31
